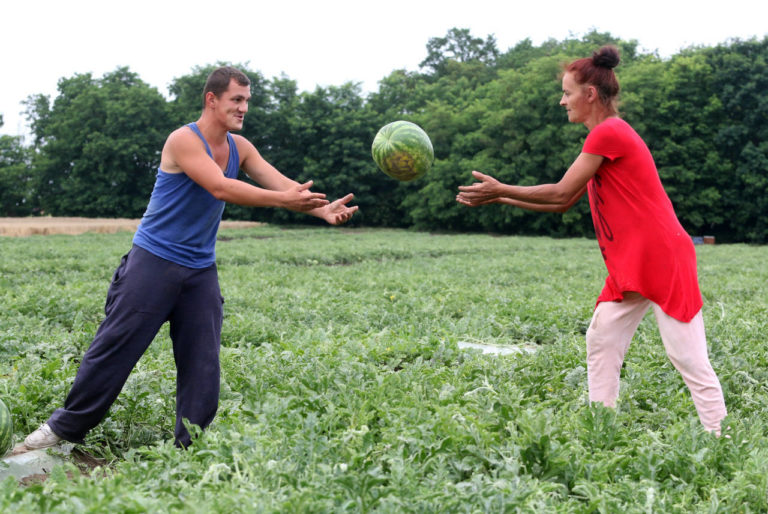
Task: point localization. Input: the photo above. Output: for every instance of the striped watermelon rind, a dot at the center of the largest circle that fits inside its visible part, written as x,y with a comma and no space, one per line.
402,150
6,429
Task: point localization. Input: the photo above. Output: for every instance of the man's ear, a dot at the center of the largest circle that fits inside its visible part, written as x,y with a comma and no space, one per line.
209,98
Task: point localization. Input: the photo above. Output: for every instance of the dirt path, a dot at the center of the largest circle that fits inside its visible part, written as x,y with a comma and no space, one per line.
21,227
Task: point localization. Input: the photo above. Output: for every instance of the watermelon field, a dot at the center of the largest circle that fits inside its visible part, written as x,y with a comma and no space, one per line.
345,389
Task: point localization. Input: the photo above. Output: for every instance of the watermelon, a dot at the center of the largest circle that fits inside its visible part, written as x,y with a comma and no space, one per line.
402,150
6,429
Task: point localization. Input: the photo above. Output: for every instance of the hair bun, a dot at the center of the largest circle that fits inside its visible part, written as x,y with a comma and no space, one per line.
606,57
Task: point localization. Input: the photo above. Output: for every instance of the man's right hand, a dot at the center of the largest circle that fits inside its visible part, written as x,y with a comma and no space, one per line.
300,199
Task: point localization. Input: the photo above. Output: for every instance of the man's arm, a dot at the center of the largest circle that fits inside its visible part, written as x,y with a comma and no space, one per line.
258,169
262,172
185,152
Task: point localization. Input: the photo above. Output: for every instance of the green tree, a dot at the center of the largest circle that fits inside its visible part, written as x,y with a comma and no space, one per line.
525,52
674,107
98,145
325,136
739,81
400,94
702,113
16,187
458,45
511,127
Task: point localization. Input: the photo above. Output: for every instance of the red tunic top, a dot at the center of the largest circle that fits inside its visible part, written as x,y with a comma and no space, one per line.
645,248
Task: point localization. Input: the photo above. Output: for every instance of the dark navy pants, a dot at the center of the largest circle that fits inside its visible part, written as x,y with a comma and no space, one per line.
147,291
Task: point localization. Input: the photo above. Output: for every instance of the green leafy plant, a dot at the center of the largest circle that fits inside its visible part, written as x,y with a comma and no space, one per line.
344,388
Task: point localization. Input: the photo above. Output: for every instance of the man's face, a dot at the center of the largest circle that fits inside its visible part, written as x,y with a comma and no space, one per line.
232,105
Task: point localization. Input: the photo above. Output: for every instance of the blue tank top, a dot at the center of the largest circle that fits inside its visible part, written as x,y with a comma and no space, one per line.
182,218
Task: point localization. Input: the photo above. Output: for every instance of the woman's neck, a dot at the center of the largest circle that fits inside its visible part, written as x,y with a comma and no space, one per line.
600,116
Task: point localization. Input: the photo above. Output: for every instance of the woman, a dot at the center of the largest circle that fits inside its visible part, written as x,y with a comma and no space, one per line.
651,260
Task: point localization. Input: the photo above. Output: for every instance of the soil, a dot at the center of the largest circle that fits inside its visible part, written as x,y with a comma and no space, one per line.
84,462
22,227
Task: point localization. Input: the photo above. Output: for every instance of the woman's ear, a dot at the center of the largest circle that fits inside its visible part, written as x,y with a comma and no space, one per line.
592,93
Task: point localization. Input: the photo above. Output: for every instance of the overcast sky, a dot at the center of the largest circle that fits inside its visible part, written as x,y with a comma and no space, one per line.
319,42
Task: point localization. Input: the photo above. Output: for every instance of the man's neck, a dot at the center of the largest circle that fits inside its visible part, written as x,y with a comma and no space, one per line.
212,130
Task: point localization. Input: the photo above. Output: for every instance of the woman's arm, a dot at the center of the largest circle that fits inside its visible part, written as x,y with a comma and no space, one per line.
541,207
557,197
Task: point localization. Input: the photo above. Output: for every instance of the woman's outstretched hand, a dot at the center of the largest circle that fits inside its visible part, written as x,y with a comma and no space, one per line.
487,190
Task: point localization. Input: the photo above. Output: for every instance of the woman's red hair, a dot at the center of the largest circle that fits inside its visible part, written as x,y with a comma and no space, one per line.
597,71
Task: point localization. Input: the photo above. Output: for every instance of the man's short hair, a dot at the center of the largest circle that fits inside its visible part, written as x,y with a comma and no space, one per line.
219,79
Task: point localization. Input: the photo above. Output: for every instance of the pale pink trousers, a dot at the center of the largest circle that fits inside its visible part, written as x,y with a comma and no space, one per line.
609,334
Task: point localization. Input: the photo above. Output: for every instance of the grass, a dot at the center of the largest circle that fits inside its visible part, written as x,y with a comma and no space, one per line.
343,388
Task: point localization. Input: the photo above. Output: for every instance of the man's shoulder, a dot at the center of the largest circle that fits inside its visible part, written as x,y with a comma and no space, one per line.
181,132
184,137
239,139
180,142
244,146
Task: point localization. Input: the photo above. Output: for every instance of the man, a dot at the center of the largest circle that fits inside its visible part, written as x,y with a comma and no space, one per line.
170,272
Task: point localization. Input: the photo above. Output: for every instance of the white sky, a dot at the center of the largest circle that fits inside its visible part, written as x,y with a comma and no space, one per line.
317,42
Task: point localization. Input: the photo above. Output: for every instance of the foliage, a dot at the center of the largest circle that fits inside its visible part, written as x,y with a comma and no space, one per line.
458,46
701,112
329,141
17,193
344,388
98,145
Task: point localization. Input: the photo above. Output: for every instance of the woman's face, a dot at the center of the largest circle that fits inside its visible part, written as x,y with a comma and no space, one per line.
576,99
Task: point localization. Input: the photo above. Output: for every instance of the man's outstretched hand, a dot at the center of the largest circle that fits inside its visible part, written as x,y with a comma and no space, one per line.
337,212
299,198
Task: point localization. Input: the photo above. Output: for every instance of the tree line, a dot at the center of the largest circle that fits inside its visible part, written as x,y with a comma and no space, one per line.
95,147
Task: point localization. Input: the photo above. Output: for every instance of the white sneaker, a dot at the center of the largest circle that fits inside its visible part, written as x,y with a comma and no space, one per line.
41,438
